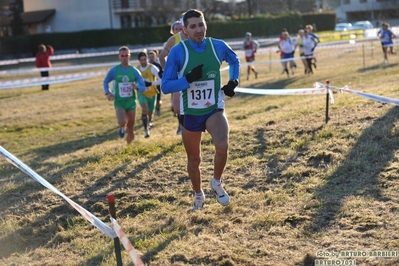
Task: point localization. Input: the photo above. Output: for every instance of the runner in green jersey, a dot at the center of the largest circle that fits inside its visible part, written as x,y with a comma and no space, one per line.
127,80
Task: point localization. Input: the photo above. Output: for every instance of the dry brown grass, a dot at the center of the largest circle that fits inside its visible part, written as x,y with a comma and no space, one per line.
298,185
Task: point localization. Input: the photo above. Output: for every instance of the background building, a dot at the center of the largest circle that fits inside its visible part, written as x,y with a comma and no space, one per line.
375,11
42,16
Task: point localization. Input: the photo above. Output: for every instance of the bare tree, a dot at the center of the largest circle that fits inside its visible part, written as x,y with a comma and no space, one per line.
10,17
250,5
17,22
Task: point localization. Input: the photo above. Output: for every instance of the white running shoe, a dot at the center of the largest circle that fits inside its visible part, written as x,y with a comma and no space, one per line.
220,194
146,133
199,202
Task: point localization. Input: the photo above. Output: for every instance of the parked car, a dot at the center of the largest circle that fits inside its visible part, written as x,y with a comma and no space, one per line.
362,25
343,26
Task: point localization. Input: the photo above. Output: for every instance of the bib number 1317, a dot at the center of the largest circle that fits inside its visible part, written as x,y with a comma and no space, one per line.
203,94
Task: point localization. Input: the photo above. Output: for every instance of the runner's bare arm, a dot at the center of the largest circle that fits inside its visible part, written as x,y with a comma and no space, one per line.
165,51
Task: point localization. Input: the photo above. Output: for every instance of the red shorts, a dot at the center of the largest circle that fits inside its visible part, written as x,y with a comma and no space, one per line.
250,59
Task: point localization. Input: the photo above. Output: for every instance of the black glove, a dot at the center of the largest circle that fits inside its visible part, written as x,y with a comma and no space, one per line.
147,84
229,88
160,73
194,74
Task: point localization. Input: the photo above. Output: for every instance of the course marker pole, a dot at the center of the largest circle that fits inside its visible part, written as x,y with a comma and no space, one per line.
327,98
364,59
112,212
270,59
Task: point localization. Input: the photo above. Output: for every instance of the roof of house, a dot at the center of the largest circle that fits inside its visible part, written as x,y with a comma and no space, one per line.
5,21
30,17
33,17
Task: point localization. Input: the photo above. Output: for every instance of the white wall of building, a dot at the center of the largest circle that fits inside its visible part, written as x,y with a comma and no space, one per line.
372,6
74,15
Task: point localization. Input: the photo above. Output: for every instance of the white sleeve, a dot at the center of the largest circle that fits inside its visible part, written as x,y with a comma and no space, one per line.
155,71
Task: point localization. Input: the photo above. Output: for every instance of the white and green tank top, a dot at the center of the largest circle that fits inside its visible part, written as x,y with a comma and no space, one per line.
204,95
123,88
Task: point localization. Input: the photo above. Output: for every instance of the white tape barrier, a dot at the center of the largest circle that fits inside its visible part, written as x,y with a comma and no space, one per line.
85,55
135,62
303,91
278,92
70,56
351,48
369,96
86,214
126,243
9,84
74,67
57,57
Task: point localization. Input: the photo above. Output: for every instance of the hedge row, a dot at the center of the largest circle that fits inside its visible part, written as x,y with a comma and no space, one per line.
266,25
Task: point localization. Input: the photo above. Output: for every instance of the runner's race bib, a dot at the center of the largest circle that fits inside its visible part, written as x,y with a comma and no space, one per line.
201,94
248,52
125,89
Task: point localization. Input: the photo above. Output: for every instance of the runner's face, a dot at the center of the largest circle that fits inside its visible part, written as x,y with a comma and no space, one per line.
151,57
196,29
143,61
177,28
124,56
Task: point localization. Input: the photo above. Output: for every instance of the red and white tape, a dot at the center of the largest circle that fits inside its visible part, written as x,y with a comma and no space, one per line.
126,243
70,56
317,90
366,95
8,84
62,68
304,91
85,213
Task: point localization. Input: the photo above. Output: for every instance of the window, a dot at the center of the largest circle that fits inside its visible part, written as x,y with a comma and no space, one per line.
125,3
363,1
346,2
126,21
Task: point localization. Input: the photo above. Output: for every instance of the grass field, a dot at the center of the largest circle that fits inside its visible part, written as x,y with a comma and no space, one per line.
299,187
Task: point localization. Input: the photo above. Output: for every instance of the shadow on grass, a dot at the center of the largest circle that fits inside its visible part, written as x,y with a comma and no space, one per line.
98,259
72,146
358,174
25,238
113,183
275,164
38,160
375,67
149,255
